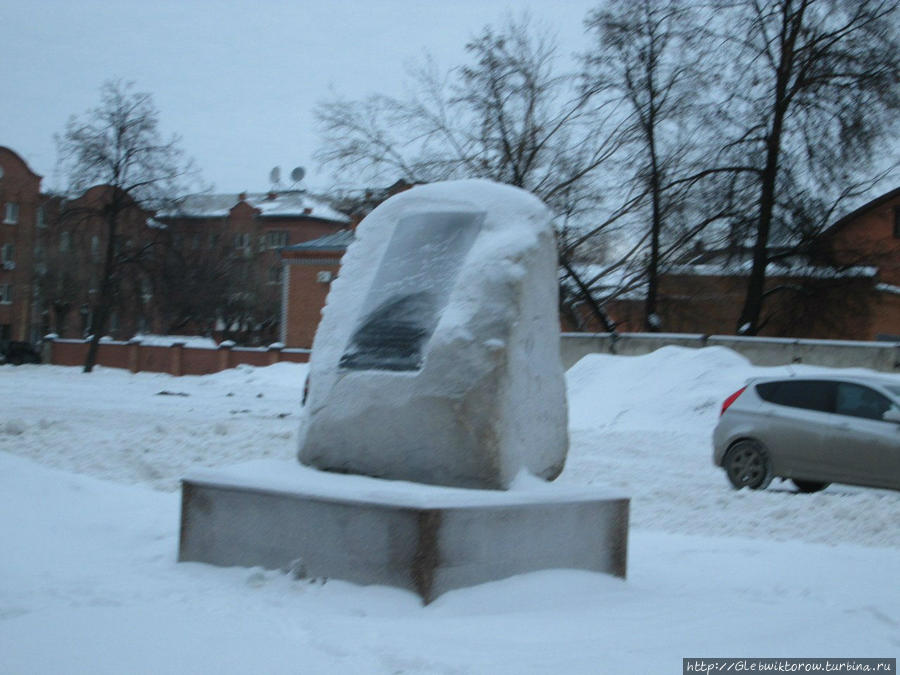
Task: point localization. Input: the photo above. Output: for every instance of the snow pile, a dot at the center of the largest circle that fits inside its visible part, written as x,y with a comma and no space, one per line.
149,427
644,425
194,341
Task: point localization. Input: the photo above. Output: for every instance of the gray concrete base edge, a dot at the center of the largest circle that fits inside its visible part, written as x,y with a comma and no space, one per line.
425,550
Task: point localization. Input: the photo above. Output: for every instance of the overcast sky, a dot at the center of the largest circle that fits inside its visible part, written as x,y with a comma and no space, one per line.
237,80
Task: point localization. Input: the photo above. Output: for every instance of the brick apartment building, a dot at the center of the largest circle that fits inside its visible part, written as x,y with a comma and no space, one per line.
20,217
69,253
847,286
250,230
53,248
311,266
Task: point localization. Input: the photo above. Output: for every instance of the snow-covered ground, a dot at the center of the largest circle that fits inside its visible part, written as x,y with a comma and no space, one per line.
89,466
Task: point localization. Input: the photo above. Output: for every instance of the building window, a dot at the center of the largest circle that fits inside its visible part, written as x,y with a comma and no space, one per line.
275,274
242,240
897,222
40,218
8,256
65,240
95,248
6,291
276,239
11,213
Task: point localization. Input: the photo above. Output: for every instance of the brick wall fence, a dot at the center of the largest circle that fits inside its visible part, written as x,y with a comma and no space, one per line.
175,359
180,359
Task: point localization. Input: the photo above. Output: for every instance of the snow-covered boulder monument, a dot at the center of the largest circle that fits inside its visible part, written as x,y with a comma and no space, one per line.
437,357
436,366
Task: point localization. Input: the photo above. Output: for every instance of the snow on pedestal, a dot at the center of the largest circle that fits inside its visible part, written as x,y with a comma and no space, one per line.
437,358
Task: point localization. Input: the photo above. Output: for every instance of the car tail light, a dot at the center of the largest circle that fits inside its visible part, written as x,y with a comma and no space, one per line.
731,399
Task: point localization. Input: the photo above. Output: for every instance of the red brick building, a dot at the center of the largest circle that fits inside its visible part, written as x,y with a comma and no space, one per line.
847,287
69,257
249,231
20,217
310,268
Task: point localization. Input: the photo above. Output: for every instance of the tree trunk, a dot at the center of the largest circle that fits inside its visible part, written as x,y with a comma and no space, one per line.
651,316
748,322
596,309
104,302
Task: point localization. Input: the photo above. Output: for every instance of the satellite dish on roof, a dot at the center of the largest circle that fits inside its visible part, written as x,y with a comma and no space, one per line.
297,174
275,175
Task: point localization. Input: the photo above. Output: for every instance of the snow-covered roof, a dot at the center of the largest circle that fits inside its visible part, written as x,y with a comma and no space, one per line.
287,204
330,242
868,206
621,282
888,288
742,268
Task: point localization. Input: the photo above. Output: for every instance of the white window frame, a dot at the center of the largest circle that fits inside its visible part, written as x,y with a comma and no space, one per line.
11,213
6,294
276,239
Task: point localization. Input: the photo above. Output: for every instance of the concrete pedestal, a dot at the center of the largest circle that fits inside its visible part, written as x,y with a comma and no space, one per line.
427,539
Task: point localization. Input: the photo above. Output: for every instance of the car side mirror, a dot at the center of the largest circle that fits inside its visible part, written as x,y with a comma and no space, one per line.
892,415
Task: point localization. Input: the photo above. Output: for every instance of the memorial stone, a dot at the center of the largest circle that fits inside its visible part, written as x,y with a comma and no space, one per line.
437,358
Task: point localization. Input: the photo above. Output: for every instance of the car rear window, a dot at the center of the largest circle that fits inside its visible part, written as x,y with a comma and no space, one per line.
807,394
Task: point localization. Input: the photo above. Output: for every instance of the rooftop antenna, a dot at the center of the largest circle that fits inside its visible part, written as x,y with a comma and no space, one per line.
297,175
275,177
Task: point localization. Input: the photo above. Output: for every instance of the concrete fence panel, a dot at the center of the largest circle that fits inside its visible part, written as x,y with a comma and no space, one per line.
760,351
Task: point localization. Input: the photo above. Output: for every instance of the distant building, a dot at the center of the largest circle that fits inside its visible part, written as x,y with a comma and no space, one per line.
248,230
847,286
311,266
20,217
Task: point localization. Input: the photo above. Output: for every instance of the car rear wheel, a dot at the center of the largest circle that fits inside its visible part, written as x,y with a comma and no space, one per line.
809,485
747,465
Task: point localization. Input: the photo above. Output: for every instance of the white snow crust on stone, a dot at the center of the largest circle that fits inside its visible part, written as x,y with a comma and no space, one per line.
292,478
489,397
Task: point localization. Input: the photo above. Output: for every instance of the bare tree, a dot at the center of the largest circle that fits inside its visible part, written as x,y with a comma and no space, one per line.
118,145
649,54
192,280
508,115
815,87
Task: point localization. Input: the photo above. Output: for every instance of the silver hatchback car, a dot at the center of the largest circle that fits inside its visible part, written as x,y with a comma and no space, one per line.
814,431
